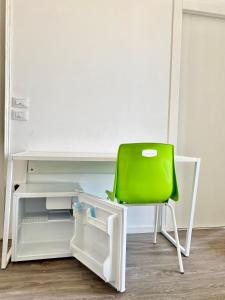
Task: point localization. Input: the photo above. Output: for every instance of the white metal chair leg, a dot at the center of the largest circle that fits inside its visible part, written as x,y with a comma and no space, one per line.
176,238
156,223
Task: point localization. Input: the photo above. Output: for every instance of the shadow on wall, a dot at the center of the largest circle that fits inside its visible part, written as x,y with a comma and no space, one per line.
2,68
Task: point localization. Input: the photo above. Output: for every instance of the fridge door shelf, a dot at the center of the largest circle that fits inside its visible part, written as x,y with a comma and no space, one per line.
101,268
103,222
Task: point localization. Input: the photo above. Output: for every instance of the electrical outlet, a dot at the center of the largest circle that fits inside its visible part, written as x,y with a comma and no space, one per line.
20,102
20,115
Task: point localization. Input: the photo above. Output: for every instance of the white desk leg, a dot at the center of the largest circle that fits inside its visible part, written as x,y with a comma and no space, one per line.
8,200
186,249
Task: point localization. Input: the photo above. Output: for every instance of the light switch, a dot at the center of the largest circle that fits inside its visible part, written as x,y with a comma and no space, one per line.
20,115
20,102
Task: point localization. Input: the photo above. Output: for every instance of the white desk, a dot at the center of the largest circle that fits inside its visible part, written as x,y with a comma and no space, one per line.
64,156
94,157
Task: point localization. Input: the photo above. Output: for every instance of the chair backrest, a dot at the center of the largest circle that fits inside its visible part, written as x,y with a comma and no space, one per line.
145,173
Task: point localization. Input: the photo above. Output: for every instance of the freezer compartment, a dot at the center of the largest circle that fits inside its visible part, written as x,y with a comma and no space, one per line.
39,233
92,241
59,202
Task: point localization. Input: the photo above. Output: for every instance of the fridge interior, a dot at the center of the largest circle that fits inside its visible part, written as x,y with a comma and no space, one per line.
40,232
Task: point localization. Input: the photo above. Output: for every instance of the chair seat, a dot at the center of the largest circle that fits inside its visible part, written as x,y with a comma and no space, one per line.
111,197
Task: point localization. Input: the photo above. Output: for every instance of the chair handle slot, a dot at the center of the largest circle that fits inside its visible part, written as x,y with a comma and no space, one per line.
149,153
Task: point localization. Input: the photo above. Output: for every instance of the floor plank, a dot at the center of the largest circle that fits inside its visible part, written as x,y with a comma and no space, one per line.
152,273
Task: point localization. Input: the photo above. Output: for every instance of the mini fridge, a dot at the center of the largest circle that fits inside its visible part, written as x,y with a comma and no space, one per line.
60,220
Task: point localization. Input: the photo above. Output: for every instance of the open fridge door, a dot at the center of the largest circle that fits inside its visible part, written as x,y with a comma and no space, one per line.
99,240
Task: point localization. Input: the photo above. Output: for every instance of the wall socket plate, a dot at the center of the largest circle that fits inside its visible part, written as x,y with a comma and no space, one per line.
20,102
20,115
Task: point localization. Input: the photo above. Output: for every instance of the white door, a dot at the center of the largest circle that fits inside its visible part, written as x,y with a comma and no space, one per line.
99,240
202,111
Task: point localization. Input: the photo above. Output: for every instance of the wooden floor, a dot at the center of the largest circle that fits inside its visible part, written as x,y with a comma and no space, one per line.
152,273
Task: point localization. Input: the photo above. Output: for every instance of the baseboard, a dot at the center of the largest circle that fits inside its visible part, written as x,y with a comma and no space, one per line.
140,229
149,229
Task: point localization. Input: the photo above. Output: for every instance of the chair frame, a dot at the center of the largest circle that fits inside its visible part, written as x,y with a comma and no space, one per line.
178,246
156,222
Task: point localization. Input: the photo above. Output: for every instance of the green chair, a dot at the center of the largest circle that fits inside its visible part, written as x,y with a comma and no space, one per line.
145,175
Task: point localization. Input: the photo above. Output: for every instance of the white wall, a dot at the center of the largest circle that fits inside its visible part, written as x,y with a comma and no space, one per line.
97,73
1,108
86,67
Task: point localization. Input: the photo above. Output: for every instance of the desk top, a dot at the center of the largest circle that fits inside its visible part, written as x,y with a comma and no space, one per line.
80,156
64,156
